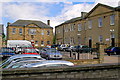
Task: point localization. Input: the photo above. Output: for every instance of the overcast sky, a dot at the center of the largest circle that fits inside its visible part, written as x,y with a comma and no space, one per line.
57,11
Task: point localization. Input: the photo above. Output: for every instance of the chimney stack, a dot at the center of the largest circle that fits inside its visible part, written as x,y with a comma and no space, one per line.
83,14
8,23
48,22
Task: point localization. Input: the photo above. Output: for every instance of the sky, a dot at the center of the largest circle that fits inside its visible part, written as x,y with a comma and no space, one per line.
57,11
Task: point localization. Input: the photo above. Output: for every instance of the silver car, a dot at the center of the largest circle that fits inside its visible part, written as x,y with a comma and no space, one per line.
50,53
49,63
19,63
19,56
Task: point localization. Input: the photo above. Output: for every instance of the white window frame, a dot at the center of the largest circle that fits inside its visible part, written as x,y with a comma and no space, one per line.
13,30
42,32
79,27
90,24
100,38
72,27
100,23
31,31
20,30
112,19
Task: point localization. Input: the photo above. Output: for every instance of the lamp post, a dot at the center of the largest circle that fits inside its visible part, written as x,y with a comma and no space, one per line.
112,37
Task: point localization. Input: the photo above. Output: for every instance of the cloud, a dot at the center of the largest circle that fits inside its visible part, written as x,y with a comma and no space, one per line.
29,10
113,3
24,11
0,13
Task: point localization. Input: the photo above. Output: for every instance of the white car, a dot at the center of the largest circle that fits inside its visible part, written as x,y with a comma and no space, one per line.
49,63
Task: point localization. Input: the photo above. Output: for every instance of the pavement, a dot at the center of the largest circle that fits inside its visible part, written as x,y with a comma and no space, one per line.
107,59
112,59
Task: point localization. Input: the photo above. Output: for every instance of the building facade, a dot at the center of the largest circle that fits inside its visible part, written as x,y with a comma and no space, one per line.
37,32
100,25
1,33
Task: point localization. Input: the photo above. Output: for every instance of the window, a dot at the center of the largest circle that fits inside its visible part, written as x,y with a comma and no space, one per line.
20,31
32,31
66,29
112,20
72,27
13,30
79,27
90,24
100,22
42,43
42,33
48,42
100,38
36,42
71,40
48,32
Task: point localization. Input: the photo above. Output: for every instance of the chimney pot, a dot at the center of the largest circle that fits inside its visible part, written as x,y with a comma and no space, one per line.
48,22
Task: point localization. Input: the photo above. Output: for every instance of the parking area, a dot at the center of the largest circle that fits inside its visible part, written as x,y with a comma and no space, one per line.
107,59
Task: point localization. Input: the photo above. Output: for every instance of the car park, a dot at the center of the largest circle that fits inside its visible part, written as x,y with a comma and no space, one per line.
49,63
50,53
6,52
18,56
112,50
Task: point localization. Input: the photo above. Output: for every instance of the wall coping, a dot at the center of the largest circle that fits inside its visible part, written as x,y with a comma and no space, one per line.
90,67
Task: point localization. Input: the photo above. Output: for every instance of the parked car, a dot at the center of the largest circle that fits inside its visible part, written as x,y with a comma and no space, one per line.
69,48
112,50
49,63
62,47
50,53
18,56
20,62
30,51
82,48
6,52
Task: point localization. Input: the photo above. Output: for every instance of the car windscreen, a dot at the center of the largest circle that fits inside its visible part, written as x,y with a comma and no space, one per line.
30,51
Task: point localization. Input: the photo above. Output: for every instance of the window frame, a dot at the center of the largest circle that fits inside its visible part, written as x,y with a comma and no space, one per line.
100,22
112,19
13,30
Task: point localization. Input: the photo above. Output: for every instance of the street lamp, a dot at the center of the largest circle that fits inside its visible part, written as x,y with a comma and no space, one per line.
112,37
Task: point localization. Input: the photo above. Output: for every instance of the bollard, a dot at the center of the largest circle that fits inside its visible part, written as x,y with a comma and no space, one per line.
71,53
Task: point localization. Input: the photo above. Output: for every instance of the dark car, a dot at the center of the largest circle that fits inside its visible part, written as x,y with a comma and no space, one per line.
50,53
6,52
112,50
82,48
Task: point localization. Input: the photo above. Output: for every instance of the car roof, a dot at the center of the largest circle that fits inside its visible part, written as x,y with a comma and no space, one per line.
51,62
23,55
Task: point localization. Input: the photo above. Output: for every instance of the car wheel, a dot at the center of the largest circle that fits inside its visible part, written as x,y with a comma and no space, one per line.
108,54
115,53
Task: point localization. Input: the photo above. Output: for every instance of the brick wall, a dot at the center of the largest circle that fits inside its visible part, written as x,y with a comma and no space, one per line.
77,72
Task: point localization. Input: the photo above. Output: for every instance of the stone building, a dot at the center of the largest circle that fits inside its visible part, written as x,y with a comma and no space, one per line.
100,25
1,32
37,32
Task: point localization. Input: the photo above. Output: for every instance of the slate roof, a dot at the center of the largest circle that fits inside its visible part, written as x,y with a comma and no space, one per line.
71,20
27,22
